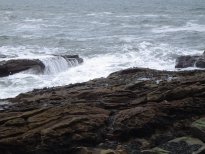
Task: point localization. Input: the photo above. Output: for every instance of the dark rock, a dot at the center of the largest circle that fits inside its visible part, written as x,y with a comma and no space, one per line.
190,61
85,150
105,113
2,56
198,129
156,150
186,61
72,57
183,145
200,63
67,125
18,65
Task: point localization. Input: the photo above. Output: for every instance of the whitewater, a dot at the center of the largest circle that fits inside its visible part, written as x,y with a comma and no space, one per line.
108,35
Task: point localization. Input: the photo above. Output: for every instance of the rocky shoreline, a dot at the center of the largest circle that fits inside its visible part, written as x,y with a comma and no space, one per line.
133,111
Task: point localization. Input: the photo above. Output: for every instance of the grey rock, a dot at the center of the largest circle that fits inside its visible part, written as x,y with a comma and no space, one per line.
191,61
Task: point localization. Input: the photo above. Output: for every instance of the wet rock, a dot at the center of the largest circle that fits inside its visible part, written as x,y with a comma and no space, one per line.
155,151
190,61
198,129
57,128
186,61
200,63
2,56
18,65
15,122
85,150
133,121
35,65
73,57
183,145
106,113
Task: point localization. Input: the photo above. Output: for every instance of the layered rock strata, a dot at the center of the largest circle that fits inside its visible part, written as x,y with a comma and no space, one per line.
131,111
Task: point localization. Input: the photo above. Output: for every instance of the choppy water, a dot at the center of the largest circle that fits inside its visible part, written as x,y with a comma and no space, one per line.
109,34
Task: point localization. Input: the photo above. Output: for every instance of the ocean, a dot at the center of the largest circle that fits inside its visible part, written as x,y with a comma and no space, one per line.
109,35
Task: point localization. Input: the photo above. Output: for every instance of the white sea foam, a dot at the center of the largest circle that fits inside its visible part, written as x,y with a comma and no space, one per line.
143,54
33,20
141,15
133,36
28,27
56,64
100,23
188,27
29,52
99,13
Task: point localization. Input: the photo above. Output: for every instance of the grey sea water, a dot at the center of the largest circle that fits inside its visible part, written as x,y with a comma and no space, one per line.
109,34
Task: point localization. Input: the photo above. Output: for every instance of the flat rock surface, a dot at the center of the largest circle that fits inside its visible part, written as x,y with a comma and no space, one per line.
134,109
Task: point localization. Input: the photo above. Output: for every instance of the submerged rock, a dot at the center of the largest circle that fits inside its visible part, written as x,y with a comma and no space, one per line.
118,111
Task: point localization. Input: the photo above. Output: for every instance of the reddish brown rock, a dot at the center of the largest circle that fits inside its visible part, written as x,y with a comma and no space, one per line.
123,109
56,128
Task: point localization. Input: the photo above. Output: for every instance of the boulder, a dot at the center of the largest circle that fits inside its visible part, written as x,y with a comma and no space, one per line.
200,63
18,65
190,61
13,66
186,61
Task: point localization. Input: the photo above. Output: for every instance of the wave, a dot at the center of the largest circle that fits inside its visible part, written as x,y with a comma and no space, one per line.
199,9
56,64
28,27
141,15
33,20
7,16
30,52
143,54
99,13
192,27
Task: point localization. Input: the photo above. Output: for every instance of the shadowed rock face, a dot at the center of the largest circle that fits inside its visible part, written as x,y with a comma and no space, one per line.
18,65
123,110
76,57
190,61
